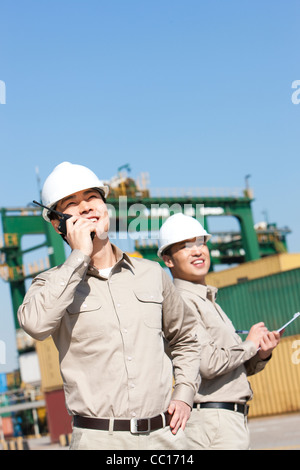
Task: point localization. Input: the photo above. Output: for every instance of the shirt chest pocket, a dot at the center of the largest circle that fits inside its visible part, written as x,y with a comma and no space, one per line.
150,307
85,317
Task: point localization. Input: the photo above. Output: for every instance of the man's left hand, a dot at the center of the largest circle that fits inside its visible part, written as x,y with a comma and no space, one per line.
180,412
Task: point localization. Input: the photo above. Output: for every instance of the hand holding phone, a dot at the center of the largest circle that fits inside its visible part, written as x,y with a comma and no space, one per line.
62,227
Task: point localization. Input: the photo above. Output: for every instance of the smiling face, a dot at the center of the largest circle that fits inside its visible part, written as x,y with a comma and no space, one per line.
87,204
189,260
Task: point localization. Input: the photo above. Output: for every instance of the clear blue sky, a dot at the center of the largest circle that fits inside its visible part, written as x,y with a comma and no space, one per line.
196,93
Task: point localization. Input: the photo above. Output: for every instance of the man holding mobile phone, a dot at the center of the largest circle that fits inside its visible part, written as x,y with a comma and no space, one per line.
109,316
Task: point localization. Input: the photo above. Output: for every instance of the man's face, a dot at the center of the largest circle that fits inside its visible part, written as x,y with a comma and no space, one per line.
87,204
189,260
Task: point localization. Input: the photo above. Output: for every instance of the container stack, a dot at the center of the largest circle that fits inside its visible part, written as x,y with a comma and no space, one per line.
267,290
59,421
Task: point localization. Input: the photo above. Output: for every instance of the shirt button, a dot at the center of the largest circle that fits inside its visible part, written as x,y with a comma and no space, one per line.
118,305
62,283
129,358
125,330
132,385
133,413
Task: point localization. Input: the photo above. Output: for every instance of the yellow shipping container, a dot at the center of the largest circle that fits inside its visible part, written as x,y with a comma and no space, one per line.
254,269
277,388
49,365
13,379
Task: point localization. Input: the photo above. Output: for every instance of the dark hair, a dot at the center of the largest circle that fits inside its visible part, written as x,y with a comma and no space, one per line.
167,251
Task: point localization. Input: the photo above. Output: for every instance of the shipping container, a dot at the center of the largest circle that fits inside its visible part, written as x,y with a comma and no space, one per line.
273,299
276,389
13,380
49,365
59,421
254,269
6,426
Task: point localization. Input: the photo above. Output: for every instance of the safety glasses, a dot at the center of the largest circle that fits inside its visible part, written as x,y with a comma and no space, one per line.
197,242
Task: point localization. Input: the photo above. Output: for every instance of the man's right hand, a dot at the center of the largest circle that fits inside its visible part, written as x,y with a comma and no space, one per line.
79,232
256,333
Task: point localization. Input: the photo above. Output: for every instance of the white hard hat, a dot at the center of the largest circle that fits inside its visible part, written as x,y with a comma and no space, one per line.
66,179
177,228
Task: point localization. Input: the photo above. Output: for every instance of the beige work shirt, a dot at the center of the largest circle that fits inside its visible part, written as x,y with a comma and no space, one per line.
226,360
110,335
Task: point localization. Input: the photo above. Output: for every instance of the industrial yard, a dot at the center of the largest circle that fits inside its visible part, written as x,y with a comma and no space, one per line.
260,282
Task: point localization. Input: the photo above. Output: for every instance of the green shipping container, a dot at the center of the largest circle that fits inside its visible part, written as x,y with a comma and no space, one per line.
273,299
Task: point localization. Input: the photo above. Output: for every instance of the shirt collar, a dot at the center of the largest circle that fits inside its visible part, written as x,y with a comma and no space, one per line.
203,291
120,257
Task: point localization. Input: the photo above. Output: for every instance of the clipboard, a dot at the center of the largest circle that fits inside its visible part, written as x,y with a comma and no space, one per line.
296,315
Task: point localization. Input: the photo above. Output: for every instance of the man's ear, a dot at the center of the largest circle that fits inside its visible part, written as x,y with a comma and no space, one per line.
168,261
55,224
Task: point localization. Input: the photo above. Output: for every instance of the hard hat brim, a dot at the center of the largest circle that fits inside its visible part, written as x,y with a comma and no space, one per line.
163,248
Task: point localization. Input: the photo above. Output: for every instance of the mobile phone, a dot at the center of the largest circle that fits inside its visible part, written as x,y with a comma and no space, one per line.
62,227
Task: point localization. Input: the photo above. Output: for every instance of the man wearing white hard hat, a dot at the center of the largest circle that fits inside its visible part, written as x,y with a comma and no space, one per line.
219,417
108,315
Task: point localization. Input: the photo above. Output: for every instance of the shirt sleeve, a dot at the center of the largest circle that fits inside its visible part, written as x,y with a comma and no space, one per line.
256,364
180,330
49,296
217,360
